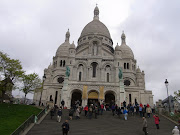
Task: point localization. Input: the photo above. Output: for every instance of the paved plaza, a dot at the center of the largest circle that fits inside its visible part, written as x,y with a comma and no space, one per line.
104,125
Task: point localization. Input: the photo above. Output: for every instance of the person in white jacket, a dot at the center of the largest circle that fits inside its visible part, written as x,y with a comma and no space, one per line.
175,131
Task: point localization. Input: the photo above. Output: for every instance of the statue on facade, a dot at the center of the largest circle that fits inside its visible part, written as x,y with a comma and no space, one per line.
120,73
67,71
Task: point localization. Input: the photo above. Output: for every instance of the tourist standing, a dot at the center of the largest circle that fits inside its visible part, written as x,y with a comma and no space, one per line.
71,112
148,111
140,110
125,112
62,103
156,120
102,108
65,127
86,110
59,114
52,113
175,131
113,109
145,126
96,112
78,113
90,111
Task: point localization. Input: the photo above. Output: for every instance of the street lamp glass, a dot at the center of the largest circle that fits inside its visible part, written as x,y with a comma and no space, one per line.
166,82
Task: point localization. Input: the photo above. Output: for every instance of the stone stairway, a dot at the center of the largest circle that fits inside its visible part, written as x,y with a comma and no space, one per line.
104,125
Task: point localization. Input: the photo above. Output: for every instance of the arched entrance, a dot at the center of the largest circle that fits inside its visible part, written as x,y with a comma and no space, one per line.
109,98
76,97
93,97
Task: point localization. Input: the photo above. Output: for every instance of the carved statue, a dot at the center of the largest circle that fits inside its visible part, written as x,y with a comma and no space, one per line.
67,71
120,74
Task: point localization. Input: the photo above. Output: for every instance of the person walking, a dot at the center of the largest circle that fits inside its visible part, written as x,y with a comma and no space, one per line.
156,120
59,114
125,112
65,127
145,126
175,131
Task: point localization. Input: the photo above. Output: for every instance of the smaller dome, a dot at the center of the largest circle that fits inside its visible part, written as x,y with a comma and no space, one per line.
117,48
63,49
126,50
138,70
72,46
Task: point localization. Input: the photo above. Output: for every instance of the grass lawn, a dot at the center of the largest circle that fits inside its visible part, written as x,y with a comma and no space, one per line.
13,115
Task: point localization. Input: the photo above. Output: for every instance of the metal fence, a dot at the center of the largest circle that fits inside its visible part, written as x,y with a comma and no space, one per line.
29,121
23,126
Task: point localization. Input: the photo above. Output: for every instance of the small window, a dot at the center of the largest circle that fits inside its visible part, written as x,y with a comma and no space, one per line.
124,65
129,98
61,63
127,65
107,77
70,62
64,63
118,64
80,73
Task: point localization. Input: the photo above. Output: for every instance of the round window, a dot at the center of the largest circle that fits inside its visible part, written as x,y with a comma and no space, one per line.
60,79
127,82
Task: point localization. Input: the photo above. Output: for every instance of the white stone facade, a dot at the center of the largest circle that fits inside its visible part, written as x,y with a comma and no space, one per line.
94,66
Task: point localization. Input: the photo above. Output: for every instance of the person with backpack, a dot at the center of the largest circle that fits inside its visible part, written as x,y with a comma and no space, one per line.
65,127
125,112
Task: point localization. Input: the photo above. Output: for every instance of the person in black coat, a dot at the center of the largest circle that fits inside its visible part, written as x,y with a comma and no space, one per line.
65,127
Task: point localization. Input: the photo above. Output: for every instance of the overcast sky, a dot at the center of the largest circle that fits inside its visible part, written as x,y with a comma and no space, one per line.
32,30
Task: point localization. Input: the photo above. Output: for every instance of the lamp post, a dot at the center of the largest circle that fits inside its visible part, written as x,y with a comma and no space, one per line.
166,84
44,78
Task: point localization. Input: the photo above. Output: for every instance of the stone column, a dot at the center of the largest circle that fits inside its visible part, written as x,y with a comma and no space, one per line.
84,96
122,91
64,92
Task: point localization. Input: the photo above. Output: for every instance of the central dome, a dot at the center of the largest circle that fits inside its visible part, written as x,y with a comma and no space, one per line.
95,27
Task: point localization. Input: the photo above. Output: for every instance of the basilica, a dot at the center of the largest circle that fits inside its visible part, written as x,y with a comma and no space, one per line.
94,67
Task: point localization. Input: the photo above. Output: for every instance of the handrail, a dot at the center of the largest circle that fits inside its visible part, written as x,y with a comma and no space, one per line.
24,125
30,120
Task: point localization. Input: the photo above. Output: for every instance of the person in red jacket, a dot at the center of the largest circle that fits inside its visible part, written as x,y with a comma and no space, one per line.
156,120
86,110
102,108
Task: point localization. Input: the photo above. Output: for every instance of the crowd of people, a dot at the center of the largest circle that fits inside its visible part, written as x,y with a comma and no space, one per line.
93,109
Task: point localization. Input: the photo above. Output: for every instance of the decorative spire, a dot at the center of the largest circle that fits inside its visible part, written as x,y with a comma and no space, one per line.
123,37
67,36
96,13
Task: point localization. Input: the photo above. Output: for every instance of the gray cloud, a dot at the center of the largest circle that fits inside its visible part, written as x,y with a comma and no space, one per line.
32,31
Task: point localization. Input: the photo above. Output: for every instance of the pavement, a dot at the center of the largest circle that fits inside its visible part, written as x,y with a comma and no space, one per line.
105,124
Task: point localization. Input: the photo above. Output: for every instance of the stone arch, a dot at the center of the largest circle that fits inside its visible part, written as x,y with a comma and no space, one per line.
110,95
93,97
55,78
76,96
132,81
107,64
